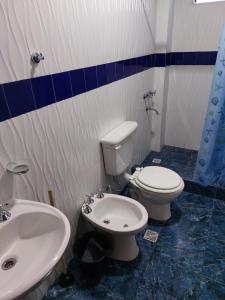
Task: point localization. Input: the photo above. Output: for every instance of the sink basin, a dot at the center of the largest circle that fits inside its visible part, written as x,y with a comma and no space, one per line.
32,241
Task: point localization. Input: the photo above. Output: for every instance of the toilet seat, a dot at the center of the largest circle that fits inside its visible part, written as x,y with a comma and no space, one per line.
158,180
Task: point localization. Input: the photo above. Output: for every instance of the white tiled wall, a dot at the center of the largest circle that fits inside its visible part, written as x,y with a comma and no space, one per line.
187,104
61,141
71,34
194,28
197,27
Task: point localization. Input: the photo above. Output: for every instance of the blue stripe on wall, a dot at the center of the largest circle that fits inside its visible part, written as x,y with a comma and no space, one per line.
23,96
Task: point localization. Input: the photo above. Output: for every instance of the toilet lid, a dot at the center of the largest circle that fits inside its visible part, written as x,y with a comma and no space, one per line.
159,178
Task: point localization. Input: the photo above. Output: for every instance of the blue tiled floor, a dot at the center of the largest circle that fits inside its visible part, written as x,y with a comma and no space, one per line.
187,261
180,160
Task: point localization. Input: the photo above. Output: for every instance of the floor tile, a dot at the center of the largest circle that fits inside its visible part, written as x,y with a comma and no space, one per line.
218,204
217,224
211,290
194,200
166,279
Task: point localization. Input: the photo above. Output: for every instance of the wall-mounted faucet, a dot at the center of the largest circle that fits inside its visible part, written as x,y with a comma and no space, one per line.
150,94
37,57
149,104
152,109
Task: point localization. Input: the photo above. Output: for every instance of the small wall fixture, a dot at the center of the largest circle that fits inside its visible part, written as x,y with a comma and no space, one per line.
206,1
37,57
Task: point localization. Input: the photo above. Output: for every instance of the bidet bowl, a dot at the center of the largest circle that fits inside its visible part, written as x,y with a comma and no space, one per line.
117,214
121,217
32,242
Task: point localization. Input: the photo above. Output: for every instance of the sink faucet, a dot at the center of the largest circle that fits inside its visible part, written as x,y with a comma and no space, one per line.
4,214
100,194
6,186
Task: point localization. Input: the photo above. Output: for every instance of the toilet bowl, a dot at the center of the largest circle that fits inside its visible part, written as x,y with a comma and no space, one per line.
155,188
121,218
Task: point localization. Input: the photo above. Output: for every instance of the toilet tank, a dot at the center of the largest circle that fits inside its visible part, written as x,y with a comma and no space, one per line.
118,147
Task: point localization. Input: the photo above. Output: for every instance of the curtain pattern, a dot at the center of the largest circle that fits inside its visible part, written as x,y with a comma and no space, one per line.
210,166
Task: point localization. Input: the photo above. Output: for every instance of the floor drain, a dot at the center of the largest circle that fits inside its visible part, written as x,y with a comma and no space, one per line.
151,236
106,221
156,160
9,264
125,225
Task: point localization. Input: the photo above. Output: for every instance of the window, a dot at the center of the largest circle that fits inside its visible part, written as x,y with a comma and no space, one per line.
206,1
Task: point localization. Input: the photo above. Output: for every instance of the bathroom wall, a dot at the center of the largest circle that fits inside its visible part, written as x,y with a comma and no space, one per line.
193,28
61,141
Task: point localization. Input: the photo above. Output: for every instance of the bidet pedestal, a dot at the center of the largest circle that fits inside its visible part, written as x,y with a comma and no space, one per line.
124,247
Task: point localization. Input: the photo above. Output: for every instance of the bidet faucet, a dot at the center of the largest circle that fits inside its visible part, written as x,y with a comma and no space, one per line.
89,199
86,208
4,214
109,189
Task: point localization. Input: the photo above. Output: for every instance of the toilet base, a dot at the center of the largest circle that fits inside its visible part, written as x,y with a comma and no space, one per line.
160,212
124,248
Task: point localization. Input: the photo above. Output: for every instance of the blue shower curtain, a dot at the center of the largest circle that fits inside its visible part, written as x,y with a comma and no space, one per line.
210,166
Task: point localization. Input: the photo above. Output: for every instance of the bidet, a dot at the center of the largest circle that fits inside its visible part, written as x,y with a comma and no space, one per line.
121,218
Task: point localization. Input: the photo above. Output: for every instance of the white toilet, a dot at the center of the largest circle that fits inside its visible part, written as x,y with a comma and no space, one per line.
154,187
122,218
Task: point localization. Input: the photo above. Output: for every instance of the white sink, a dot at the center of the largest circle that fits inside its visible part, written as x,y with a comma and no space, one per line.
35,238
